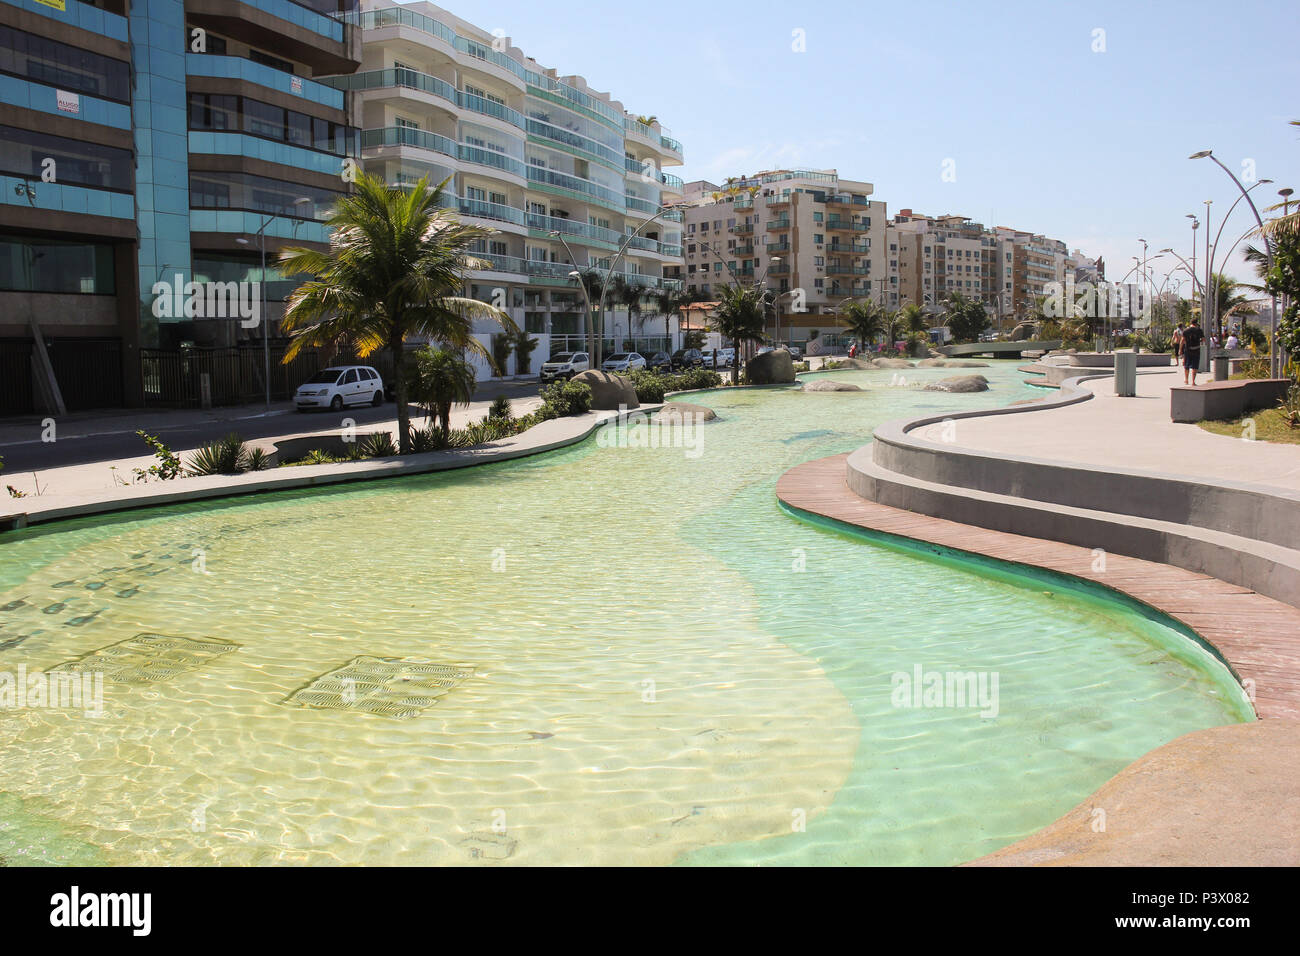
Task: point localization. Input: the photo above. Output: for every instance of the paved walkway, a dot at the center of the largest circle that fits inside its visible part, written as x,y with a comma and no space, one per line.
1132,434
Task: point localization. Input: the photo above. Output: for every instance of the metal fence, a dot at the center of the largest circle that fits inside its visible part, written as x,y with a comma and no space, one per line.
235,375
89,373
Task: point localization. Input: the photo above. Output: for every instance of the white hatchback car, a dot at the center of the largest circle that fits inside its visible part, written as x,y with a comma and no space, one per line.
565,365
624,362
335,387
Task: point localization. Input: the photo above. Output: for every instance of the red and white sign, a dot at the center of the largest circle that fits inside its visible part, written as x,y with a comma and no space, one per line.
295,85
67,102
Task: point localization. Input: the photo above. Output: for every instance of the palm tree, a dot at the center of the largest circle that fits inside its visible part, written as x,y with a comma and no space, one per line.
865,319
1228,300
740,316
523,344
967,318
669,302
439,379
395,268
913,318
627,294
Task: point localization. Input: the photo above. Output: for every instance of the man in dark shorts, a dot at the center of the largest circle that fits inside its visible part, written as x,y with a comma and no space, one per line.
1193,337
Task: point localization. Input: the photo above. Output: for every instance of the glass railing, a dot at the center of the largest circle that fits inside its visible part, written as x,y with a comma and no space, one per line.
673,215
490,157
779,224
391,16
574,227
375,79
559,180
554,88
491,210
572,140
673,182
669,249
406,136
481,104
485,53
778,247
641,205
853,248
669,143
847,224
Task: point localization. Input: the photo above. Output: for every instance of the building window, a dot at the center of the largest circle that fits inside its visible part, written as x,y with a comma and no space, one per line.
76,162
50,265
58,64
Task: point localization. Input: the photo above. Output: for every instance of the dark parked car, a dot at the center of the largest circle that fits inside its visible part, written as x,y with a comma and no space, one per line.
688,358
659,362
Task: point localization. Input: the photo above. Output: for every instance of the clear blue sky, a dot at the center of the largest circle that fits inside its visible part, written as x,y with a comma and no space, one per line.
1045,134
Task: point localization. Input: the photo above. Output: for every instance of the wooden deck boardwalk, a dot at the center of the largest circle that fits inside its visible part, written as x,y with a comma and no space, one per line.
1258,636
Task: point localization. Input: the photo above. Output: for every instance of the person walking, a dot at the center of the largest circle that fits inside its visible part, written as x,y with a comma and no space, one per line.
1193,338
1178,342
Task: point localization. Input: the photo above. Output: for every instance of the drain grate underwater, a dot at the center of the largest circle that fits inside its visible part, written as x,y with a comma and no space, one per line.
147,658
399,687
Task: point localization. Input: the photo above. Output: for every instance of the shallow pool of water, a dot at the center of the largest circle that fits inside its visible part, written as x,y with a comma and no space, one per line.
657,664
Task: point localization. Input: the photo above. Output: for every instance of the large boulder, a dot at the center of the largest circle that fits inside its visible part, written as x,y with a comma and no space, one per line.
1024,332
825,385
684,413
608,391
964,363
960,383
930,363
770,368
892,363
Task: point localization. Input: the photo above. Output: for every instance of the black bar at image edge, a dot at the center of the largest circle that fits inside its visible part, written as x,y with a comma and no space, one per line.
214,904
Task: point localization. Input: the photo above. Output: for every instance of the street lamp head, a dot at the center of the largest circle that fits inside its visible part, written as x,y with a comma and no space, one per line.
1263,181
575,274
242,241
1285,192
554,234
302,200
1201,155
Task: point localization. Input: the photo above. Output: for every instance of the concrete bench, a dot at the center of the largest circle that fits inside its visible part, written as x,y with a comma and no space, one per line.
1224,400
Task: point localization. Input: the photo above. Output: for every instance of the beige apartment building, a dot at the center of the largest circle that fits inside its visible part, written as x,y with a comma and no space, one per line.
932,257
811,237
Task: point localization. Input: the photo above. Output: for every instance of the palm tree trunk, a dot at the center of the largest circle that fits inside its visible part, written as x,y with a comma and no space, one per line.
399,392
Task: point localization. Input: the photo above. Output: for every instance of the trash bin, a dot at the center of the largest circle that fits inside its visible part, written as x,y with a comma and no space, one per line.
1126,372
1220,368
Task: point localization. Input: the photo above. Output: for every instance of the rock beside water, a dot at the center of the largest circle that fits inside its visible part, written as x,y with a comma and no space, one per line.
960,383
826,385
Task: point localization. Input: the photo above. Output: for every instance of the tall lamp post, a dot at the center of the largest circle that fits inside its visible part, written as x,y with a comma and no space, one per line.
609,274
1273,356
261,245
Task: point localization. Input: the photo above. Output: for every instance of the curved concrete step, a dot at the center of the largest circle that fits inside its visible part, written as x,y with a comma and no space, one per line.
1266,567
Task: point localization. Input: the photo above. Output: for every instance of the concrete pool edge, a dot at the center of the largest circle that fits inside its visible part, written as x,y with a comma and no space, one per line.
547,436
1168,831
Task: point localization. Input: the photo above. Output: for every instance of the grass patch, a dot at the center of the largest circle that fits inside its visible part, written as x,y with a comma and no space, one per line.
1269,426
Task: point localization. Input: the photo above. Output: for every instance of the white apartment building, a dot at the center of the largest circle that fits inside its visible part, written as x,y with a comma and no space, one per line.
563,172
811,237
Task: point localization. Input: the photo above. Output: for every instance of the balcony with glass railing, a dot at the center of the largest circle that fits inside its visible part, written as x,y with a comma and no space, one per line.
672,215
552,179
849,248
782,223
555,137
745,250
846,225
490,157
545,225
379,79
641,205
499,212
407,136
481,104
743,228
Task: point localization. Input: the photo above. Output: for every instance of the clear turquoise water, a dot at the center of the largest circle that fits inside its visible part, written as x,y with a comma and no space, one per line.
667,668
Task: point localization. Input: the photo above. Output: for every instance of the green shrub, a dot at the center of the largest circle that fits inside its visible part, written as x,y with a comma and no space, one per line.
257,460
800,367
500,408
425,439
379,445
567,398
354,451
169,464
225,456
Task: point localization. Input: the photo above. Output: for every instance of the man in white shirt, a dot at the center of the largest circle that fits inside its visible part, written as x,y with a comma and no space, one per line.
1232,342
